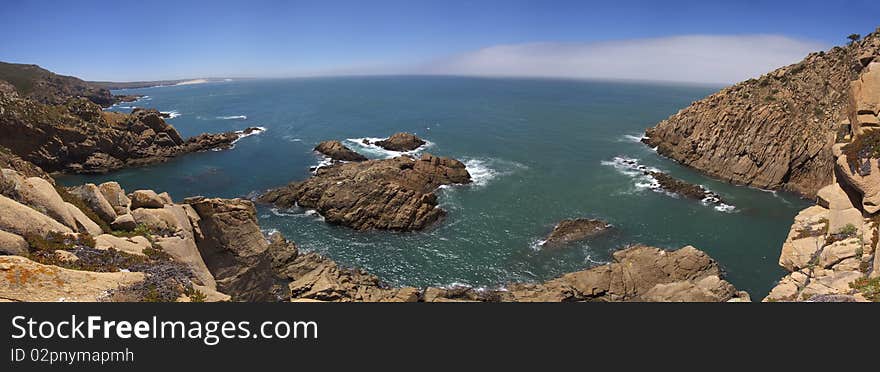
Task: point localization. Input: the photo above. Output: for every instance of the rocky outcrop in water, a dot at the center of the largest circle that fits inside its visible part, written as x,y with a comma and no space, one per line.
567,231
776,131
388,194
79,137
337,151
401,142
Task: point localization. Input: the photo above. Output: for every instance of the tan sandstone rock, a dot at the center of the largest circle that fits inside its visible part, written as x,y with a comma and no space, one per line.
83,222
22,220
115,196
12,244
131,245
24,280
145,199
94,198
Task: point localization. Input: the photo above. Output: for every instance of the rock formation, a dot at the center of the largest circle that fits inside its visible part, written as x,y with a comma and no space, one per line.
33,82
337,151
401,142
79,137
638,274
774,132
567,231
389,194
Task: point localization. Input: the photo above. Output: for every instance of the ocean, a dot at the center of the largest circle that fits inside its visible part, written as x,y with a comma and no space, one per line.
539,151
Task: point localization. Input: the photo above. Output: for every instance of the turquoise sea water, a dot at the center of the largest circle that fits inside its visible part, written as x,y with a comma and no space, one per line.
540,151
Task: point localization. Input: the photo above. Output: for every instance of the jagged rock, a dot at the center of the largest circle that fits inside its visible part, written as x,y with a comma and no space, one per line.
165,198
234,249
124,222
133,245
24,280
634,274
77,136
145,199
115,195
388,194
22,220
401,142
833,197
573,230
8,160
865,98
83,222
94,199
774,132
337,151
12,244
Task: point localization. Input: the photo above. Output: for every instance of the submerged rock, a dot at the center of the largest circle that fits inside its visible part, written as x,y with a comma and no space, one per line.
337,151
401,142
387,194
567,231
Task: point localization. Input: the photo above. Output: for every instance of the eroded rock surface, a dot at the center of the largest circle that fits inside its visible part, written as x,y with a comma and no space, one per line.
388,194
567,231
401,142
337,151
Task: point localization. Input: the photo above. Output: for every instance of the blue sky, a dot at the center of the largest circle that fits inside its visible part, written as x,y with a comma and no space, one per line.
140,40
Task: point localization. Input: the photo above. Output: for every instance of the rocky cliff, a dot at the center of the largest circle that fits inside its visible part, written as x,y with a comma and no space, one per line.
79,137
44,86
776,131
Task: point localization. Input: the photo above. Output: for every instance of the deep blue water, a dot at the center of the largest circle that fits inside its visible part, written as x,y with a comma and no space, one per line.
541,151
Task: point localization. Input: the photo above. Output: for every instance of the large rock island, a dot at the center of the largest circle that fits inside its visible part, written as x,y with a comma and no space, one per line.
388,194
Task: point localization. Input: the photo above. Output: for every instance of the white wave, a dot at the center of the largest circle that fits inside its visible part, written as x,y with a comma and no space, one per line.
297,211
480,172
633,138
642,179
233,117
242,134
326,161
171,114
371,148
536,245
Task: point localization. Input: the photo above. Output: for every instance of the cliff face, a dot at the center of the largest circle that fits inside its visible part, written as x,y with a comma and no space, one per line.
774,132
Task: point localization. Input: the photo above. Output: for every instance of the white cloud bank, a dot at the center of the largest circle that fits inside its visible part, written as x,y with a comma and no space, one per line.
693,59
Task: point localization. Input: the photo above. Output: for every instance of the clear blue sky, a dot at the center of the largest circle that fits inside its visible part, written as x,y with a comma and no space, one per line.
137,40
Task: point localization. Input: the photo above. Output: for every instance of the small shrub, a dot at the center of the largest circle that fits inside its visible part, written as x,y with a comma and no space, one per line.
870,288
862,149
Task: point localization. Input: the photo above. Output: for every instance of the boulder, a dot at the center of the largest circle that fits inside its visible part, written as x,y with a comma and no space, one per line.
23,280
12,244
37,193
799,253
567,231
115,195
132,245
833,197
83,223
788,288
401,142
167,220
337,151
22,220
124,222
166,198
145,199
94,198
839,219
837,282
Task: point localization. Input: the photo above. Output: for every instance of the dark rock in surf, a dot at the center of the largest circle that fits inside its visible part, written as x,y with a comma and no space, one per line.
401,142
337,151
567,231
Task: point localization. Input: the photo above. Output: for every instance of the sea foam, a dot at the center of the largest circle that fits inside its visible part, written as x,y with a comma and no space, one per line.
376,151
233,117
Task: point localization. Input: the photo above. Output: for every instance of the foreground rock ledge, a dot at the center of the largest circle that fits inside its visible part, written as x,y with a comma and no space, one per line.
638,273
388,194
